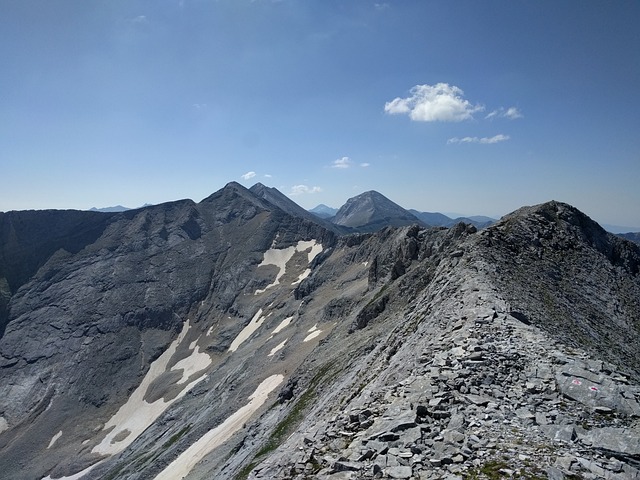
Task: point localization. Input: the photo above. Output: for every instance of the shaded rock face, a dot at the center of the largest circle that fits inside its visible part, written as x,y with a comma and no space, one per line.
405,353
29,238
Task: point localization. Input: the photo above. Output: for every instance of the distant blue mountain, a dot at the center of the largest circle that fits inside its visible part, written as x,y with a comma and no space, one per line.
117,208
324,211
441,220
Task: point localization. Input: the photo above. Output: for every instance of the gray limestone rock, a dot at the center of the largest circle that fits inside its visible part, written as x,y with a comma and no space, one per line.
618,440
399,472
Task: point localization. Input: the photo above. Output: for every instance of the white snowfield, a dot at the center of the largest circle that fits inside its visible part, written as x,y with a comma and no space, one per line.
54,439
277,348
182,465
313,333
75,476
280,256
4,425
136,415
283,324
247,331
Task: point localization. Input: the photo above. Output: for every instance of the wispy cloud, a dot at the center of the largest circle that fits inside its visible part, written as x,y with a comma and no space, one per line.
381,6
344,162
434,103
268,175
140,19
199,106
512,113
484,140
248,175
302,189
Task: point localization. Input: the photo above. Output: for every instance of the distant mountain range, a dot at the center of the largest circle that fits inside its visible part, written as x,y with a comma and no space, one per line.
116,209
371,211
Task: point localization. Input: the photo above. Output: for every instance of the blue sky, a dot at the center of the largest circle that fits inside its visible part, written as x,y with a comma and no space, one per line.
470,107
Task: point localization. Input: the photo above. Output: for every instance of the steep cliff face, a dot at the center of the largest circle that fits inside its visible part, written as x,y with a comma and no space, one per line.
29,238
231,339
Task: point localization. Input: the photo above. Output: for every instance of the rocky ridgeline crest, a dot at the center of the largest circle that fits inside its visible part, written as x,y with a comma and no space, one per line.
413,352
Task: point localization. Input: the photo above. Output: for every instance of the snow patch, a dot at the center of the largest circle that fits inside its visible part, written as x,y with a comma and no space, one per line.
54,439
275,349
75,476
313,333
246,332
283,324
280,257
302,276
136,415
194,363
182,465
4,425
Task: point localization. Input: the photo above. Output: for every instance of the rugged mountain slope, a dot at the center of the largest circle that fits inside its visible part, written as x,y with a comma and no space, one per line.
115,306
229,339
371,211
275,197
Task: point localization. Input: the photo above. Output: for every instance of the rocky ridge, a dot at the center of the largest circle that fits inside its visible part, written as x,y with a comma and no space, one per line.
486,397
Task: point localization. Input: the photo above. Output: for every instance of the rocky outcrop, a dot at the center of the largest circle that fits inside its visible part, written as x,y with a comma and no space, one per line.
572,278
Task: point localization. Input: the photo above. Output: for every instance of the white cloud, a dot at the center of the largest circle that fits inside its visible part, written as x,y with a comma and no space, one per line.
484,140
512,113
139,19
302,189
344,162
381,6
268,175
199,106
434,103
248,175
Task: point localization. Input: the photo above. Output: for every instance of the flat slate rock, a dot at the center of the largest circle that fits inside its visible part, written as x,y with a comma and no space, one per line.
399,472
620,440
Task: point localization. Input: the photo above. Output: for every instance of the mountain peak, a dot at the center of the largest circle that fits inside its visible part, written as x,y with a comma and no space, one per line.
371,210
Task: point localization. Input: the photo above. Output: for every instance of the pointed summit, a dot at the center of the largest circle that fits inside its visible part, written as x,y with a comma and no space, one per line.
280,200
371,211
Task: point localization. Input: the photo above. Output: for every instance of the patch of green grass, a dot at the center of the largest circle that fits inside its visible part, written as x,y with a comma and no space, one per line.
113,474
174,438
289,423
492,470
